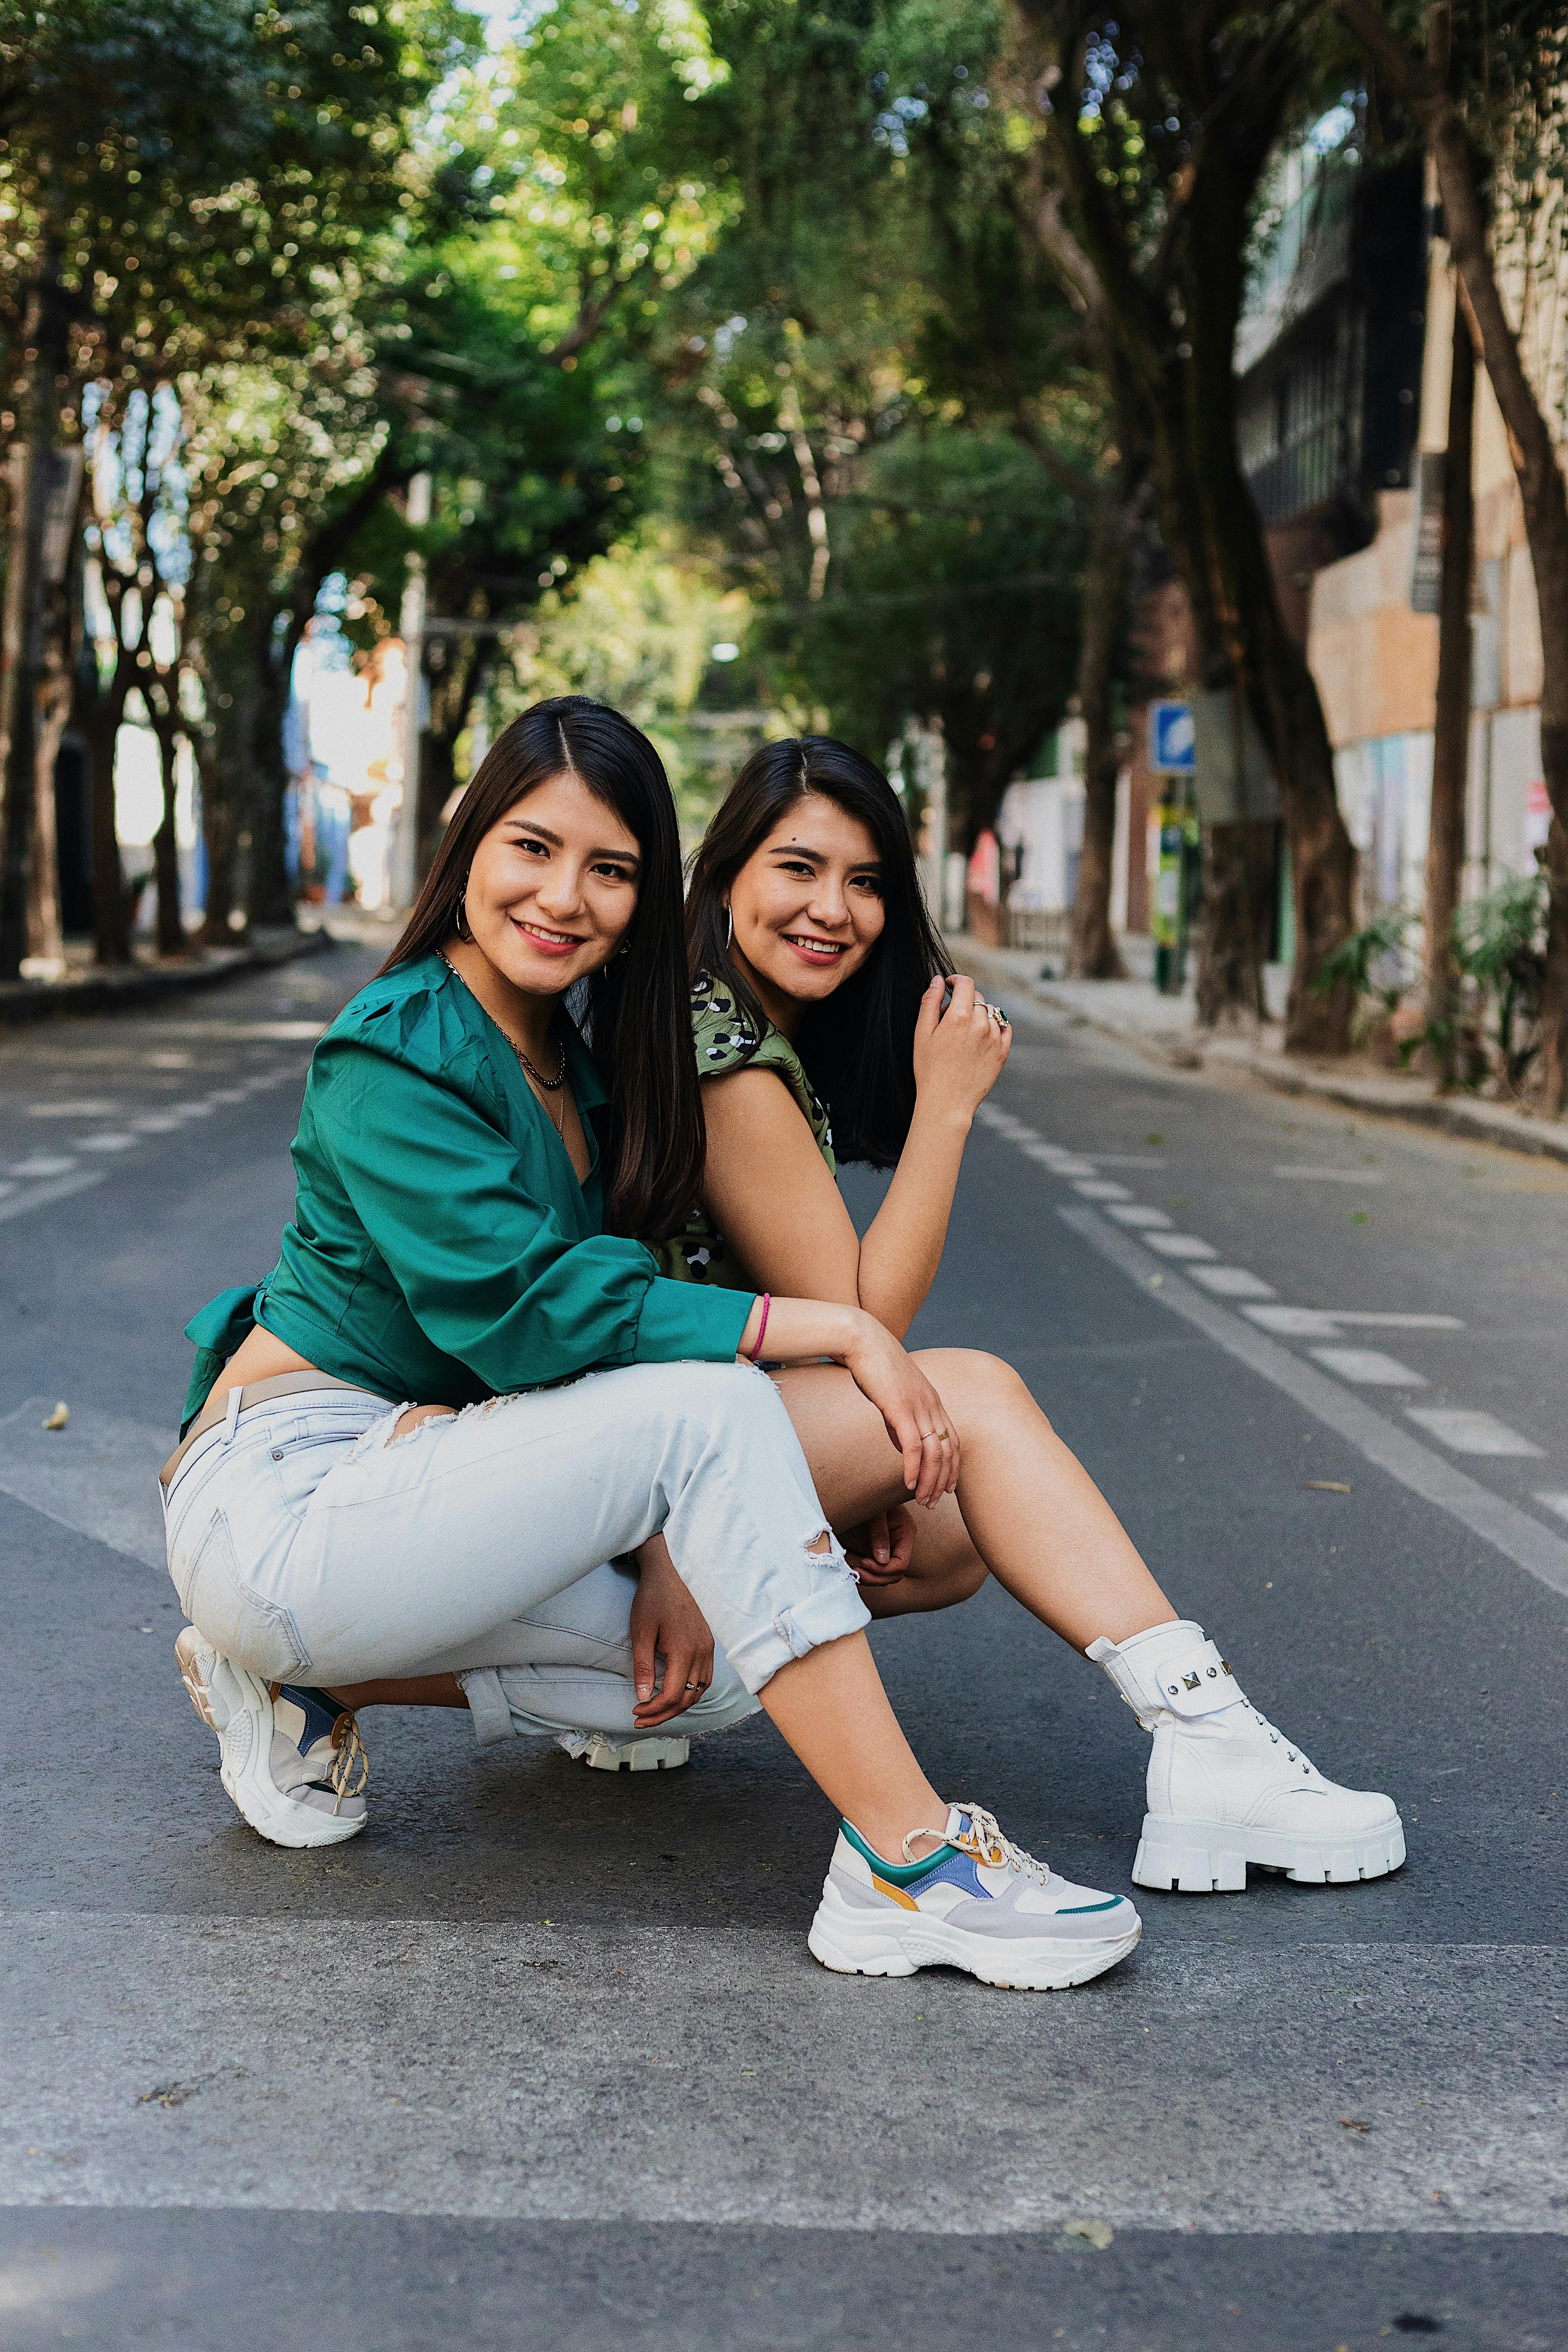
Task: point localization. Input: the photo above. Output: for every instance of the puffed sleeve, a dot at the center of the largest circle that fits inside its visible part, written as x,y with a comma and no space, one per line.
468,1232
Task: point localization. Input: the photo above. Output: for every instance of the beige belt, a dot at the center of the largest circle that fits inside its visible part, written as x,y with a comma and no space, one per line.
216,1408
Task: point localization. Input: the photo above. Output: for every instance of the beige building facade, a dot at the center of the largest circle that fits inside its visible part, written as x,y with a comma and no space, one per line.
1375,662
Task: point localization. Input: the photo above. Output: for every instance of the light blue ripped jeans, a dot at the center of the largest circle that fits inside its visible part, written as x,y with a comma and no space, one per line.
308,1545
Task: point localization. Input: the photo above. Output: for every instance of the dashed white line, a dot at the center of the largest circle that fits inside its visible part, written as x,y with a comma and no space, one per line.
94,1109
105,1142
1151,1220
1558,1502
1367,1368
1098,1188
41,1166
1474,1432
1536,1548
1232,1282
1180,1246
157,1123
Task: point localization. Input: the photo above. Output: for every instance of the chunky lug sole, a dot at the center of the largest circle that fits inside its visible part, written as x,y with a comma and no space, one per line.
1212,1857
243,1739
869,1944
637,1755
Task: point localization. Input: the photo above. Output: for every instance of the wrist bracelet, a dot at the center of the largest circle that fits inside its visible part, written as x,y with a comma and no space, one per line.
756,1352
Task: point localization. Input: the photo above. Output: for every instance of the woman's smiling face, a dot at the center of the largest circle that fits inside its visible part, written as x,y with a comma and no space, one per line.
552,887
807,903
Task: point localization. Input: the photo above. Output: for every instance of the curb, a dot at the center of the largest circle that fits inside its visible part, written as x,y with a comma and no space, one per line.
1460,1115
25,1002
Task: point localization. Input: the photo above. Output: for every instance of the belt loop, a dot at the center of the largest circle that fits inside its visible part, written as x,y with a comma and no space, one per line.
231,1418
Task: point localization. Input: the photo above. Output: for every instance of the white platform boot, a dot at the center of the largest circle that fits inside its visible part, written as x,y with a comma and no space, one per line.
1226,1788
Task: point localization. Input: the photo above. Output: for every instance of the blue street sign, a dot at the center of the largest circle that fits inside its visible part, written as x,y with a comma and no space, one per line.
1173,739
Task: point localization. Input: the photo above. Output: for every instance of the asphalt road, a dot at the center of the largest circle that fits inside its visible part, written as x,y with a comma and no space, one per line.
542,2060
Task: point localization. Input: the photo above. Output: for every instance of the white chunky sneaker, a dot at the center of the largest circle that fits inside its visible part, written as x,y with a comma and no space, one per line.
1226,1788
644,1753
978,1902
292,1759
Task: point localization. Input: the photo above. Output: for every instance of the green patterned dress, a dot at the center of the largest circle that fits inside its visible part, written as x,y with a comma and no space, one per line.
723,1038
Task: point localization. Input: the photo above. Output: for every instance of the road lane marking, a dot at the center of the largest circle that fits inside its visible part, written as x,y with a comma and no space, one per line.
96,1108
41,1166
1474,1432
1180,1246
1367,1368
1333,1175
42,1195
1232,1282
105,1142
1558,1502
1535,1549
1099,1188
157,1123
1152,1220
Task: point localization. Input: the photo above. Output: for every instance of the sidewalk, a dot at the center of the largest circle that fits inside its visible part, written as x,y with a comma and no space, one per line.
131,986
1166,1028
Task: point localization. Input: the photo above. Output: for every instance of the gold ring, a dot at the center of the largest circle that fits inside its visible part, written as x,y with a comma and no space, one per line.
938,1433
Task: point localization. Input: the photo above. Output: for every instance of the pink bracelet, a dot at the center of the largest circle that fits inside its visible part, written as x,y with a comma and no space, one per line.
762,1328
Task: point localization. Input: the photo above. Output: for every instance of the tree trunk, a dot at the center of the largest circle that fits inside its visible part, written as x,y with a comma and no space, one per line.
22,619
172,939
220,837
1544,493
1091,949
268,897
1237,908
1451,742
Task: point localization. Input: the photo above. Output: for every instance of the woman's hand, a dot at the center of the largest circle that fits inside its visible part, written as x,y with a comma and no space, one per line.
958,1054
880,1552
910,1407
667,1623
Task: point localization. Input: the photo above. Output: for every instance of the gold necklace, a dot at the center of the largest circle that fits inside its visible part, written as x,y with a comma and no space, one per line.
547,1086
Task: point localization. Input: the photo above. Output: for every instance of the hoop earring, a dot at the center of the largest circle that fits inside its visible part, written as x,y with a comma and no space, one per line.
461,919
729,928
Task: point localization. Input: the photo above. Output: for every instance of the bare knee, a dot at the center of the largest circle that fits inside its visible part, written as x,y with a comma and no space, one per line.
976,1388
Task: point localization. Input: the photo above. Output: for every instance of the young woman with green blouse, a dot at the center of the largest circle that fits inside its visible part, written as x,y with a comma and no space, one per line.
818,995
469,1175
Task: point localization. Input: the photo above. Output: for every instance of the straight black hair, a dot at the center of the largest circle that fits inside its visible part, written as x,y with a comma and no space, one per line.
638,1018
858,1044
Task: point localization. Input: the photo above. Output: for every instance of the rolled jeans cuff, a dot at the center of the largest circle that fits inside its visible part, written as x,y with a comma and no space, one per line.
488,1705
826,1615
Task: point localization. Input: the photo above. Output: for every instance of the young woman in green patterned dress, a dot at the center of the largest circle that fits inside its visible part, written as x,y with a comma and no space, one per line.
818,996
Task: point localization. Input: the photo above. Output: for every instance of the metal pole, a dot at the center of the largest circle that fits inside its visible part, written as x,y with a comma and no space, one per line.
405,848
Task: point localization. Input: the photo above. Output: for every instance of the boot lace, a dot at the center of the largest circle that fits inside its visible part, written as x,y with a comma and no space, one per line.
983,1840
1292,1755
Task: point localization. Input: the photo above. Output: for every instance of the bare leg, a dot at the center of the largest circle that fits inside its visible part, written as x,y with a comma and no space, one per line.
1035,1517
831,1709
417,1690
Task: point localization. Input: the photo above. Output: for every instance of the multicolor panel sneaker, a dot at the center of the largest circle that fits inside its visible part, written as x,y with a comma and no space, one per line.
978,1902
292,1759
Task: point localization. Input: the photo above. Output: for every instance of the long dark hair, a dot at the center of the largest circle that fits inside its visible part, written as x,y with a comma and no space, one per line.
858,1044
638,1018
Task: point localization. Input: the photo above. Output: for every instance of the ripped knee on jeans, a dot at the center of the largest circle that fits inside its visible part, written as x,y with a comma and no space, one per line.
416,1417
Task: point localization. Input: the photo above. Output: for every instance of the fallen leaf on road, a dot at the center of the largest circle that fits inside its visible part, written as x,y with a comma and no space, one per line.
167,2094
1327,1486
1350,2123
1098,2233
58,1418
